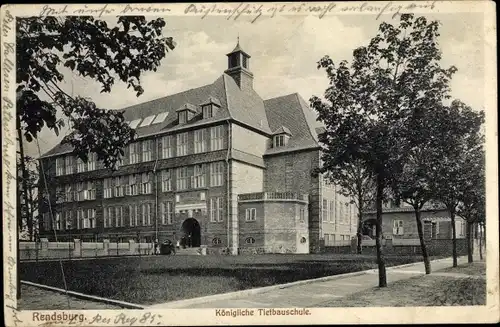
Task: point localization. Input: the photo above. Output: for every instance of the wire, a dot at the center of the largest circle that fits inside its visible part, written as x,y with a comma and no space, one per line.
53,221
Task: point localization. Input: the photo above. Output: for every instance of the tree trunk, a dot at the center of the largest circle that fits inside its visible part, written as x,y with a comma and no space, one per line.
382,278
480,241
359,249
454,237
420,230
470,246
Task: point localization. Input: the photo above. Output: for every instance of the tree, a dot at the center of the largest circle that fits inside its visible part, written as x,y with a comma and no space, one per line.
29,203
355,183
459,140
371,104
472,195
88,47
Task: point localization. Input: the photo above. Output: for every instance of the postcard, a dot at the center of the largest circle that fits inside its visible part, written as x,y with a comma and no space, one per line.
249,163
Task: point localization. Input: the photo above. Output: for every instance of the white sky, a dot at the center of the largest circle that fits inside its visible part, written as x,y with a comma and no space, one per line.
284,53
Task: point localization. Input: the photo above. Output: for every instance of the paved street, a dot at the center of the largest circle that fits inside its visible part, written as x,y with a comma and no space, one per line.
315,293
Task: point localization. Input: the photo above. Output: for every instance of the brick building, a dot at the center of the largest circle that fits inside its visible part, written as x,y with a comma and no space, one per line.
398,222
216,164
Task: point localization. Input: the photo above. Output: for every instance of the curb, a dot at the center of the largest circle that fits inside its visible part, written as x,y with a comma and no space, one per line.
93,298
265,289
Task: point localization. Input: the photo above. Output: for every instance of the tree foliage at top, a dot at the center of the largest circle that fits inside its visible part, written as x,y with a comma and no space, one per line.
92,49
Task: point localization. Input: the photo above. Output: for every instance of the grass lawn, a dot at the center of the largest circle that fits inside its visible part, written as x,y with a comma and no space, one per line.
158,279
462,286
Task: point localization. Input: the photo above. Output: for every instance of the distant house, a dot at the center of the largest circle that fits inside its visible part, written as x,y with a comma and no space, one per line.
398,222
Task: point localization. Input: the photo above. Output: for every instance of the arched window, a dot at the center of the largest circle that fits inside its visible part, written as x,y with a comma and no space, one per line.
216,241
250,240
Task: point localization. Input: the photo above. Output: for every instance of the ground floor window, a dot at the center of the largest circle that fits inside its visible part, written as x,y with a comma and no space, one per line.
250,240
216,241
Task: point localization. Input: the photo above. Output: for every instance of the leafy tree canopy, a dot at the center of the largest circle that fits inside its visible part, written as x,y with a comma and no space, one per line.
90,48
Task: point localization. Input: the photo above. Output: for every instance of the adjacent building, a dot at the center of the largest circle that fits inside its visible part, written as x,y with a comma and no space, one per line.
215,164
399,222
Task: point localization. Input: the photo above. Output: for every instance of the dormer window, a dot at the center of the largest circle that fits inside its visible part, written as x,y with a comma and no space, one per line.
207,111
210,106
279,140
281,137
186,113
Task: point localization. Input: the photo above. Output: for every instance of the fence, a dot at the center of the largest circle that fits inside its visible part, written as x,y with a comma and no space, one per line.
401,247
44,249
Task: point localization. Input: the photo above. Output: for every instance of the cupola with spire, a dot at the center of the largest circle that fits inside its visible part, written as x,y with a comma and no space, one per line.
238,67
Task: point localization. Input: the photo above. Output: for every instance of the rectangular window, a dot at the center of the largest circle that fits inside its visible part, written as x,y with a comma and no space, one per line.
91,161
131,215
182,144
302,217
216,171
198,177
166,213
332,211
145,183
250,214
213,210
207,111
57,223
147,150
91,218
118,185
199,141
182,178
85,219
183,117
107,188
68,219
146,214
279,140
166,147
166,180
397,227
59,166
325,210
60,197
216,207
80,166
82,192
78,218
91,192
119,216
134,152
216,138
133,184
69,193
137,214
68,163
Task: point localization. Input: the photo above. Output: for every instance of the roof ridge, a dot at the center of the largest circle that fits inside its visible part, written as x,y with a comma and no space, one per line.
281,96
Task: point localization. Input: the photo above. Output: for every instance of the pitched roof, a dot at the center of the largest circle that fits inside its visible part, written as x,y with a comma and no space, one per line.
282,130
245,107
292,112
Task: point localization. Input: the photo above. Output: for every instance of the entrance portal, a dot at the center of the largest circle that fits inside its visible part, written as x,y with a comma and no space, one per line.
192,233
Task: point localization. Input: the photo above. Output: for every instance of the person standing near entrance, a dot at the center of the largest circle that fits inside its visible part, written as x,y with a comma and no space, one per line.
190,244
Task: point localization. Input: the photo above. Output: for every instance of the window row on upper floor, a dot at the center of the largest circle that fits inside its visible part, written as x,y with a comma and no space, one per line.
183,178
168,146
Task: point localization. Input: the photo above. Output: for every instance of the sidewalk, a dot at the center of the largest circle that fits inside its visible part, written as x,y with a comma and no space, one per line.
312,293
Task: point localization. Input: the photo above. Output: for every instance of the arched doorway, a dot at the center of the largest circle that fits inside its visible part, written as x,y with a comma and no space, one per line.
191,232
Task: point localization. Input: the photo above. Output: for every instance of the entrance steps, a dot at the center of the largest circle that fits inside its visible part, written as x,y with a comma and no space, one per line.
188,251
